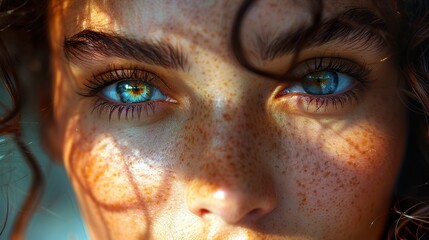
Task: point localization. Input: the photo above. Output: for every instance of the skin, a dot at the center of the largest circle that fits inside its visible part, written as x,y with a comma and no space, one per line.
228,158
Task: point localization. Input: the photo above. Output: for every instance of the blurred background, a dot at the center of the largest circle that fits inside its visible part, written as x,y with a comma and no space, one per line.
57,216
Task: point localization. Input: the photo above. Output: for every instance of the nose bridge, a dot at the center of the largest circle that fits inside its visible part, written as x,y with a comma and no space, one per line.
233,130
231,105
234,113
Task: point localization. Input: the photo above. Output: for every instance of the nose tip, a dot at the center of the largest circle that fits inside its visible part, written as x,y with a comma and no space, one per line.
231,206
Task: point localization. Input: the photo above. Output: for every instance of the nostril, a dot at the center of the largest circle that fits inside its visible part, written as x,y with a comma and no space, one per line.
204,212
232,204
255,213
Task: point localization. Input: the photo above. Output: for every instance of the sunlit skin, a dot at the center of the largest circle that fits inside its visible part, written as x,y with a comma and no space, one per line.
228,154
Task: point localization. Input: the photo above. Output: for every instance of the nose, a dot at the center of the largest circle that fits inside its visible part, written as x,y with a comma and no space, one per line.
232,204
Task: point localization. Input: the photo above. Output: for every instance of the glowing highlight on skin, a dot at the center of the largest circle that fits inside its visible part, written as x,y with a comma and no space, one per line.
219,195
97,17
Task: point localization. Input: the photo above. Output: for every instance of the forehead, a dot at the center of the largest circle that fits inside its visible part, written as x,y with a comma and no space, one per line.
139,17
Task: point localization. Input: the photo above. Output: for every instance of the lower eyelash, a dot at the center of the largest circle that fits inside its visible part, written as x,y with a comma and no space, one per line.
102,106
335,101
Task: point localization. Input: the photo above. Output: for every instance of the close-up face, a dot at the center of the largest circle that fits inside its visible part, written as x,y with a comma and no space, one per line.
165,135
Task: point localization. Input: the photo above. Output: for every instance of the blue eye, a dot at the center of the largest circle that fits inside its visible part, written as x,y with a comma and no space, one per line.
320,83
132,91
324,82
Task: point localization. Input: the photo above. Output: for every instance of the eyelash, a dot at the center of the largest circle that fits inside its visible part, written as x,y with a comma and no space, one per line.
359,73
112,75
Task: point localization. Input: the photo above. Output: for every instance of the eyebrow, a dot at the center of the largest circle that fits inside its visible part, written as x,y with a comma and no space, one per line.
358,27
87,45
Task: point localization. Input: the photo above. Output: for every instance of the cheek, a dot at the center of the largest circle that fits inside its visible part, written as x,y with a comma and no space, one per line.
115,180
350,164
342,170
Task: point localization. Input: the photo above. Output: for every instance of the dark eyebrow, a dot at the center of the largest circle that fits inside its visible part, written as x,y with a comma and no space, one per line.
358,27
88,44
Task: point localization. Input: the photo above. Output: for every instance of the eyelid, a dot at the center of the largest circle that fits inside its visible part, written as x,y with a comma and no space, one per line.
330,63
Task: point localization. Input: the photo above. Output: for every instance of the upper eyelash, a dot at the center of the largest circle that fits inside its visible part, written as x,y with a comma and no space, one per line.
357,71
112,75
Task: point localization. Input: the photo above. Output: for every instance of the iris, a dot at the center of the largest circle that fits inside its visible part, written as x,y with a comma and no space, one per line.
132,91
320,83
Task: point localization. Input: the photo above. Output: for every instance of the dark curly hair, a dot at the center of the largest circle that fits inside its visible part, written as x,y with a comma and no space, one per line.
17,15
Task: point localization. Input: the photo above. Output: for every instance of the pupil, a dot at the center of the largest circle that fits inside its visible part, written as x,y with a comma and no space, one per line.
133,91
321,82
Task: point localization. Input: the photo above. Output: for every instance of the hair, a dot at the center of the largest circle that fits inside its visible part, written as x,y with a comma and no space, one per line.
408,27
17,15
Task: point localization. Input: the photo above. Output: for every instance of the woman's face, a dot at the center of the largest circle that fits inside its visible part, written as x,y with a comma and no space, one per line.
165,135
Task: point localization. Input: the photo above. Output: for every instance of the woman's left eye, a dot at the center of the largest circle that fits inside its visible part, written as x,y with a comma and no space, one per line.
325,85
131,92
325,82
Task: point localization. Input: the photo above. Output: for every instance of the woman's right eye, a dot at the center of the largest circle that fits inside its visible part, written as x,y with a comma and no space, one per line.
128,92
132,92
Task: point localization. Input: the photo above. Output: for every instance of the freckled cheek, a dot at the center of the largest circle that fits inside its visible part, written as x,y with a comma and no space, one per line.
355,168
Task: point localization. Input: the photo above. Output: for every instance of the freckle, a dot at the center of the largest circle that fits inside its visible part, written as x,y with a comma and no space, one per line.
351,163
227,117
303,197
